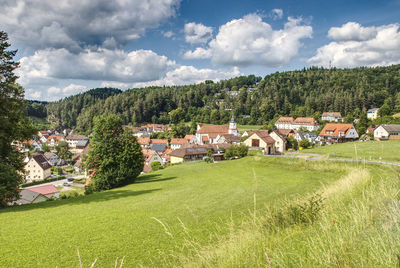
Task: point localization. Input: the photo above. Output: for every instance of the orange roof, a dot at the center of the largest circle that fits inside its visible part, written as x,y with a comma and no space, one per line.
147,153
305,121
263,135
143,141
287,132
55,138
189,138
285,120
214,129
178,141
335,128
167,152
159,141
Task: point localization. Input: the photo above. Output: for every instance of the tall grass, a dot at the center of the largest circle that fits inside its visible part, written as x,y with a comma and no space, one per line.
354,222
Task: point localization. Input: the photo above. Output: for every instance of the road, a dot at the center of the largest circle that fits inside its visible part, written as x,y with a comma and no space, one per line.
60,183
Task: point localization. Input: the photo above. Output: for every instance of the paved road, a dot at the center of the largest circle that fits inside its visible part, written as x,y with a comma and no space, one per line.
314,157
60,183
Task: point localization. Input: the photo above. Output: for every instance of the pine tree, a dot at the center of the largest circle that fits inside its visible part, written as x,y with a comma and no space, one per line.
14,124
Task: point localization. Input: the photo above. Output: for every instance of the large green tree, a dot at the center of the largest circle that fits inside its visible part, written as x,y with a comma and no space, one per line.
14,124
115,158
63,151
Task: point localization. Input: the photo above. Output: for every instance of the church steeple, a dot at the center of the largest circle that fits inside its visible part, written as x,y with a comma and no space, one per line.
232,127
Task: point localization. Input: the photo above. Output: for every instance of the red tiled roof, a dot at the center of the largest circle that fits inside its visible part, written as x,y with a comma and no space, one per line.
305,121
214,129
143,141
45,189
287,132
285,120
56,138
189,138
178,141
336,128
263,135
159,141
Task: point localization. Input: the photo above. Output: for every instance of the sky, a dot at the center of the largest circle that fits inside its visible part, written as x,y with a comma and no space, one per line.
70,46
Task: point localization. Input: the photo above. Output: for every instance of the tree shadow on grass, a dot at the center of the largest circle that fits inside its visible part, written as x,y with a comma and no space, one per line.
92,198
152,178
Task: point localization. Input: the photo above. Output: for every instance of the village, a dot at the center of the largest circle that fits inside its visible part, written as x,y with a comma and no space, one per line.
47,174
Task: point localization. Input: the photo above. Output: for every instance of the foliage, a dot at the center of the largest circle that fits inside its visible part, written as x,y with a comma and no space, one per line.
292,143
45,147
180,130
50,179
305,143
156,166
63,150
236,151
115,157
14,124
56,170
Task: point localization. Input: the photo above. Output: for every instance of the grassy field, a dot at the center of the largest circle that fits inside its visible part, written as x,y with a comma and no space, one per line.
368,150
167,215
243,128
241,213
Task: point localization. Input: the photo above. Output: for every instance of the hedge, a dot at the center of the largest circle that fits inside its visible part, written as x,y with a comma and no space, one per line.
42,181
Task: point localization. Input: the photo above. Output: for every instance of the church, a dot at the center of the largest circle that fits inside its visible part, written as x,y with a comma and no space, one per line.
217,134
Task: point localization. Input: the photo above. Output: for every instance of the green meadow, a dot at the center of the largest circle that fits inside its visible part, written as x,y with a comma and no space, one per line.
241,213
368,150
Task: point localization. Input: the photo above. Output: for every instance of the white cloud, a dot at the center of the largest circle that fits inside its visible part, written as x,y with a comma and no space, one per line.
115,84
184,75
355,45
168,34
198,53
352,31
56,93
99,64
250,41
197,33
74,24
276,14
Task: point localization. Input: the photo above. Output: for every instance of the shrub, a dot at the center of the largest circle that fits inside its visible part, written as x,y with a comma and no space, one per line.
56,170
208,159
305,143
156,166
236,151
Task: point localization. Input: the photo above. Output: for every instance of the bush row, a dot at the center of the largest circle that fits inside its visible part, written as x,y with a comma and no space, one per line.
42,181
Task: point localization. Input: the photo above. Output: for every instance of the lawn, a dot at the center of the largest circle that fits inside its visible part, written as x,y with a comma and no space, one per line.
243,128
153,222
368,150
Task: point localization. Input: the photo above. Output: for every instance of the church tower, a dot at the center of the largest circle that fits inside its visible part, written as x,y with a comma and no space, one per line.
233,128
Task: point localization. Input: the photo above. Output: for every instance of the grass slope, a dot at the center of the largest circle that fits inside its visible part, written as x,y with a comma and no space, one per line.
369,150
154,221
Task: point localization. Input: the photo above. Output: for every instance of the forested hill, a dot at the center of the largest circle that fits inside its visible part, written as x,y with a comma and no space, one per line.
307,92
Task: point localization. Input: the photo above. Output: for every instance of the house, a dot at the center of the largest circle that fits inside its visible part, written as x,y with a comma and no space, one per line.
42,133
189,154
166,156
372,113
53,159
337,132
332,117
144,142
371,129
49,191
150,128
160,148
177,143
37,168
209,134
189,138
280,141
43,138
387,132
260,139
159,141
27,196
285,122
310,136
53,140
227,138
74,140
287,132
150,156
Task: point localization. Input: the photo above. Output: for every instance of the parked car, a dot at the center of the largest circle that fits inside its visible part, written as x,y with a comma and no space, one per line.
67,184
70,179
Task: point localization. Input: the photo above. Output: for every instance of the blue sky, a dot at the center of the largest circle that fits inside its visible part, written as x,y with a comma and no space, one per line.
71,46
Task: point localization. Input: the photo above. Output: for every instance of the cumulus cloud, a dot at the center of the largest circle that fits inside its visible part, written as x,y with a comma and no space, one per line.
197,33
276,14
74,24
184,75
250,41
168,34
198,53
99,64
354,45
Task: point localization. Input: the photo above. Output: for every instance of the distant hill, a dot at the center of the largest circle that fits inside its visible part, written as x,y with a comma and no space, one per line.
306,92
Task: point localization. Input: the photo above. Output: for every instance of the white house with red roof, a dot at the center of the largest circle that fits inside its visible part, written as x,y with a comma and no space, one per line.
288,122
336,132
212,133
